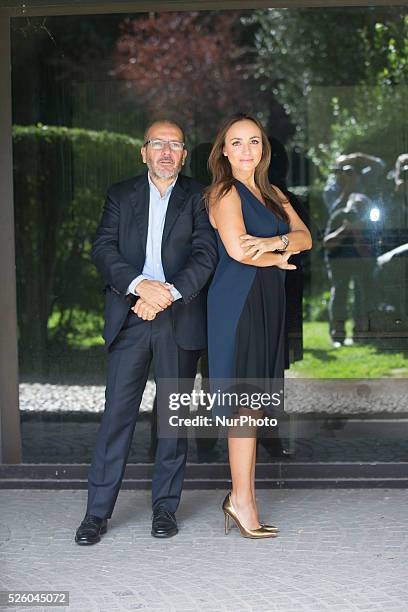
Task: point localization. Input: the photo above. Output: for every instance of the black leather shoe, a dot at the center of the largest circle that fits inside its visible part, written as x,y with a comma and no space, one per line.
164,524
90,530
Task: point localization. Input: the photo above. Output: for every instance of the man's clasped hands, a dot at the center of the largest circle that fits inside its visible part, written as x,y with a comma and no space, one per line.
155,296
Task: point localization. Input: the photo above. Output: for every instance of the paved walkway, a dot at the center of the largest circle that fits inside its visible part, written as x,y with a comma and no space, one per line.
338,551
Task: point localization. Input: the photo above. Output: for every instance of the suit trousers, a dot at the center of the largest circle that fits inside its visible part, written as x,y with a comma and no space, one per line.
129,358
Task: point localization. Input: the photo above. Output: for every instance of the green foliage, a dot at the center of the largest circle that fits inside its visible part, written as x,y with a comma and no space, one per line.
340,74
316,307
84,328
60,179
321,360
98,157
298,49
372,116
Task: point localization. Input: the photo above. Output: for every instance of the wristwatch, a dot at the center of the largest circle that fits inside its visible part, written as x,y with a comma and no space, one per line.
285,241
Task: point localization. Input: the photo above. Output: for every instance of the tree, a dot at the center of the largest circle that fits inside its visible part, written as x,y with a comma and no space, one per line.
299,51
188,66
376,113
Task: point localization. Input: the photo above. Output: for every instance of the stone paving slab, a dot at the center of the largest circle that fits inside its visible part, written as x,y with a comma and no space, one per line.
338,550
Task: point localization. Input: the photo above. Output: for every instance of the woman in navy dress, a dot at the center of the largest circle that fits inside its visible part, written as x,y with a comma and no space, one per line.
257,231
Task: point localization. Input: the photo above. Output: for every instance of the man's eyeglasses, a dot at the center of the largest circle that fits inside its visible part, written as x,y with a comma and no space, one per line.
158,144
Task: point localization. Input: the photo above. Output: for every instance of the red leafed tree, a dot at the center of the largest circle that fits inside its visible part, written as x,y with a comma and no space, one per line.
187,66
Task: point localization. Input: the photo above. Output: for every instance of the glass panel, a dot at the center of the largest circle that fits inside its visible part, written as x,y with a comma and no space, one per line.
84,89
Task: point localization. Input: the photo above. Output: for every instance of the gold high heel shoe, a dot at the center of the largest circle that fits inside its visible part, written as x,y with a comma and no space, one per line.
230,512
269,527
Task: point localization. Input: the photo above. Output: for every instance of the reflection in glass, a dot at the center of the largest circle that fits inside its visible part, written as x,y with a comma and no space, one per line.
83,90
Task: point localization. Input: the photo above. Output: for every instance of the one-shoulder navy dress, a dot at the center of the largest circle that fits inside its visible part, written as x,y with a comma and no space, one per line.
246,307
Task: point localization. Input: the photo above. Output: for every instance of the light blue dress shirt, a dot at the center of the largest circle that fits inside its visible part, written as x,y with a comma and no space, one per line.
153,267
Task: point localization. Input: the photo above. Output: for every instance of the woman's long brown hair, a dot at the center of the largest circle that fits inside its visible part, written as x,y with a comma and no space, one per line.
221,171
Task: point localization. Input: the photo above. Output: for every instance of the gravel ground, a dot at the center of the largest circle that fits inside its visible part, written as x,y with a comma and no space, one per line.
335,396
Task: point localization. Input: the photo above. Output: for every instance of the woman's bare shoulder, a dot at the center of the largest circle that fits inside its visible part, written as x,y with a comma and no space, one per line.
222,206
219,199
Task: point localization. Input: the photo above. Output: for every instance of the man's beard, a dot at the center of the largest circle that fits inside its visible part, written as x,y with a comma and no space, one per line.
163,174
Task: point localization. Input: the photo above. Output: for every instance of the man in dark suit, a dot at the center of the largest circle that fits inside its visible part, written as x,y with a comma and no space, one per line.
156,251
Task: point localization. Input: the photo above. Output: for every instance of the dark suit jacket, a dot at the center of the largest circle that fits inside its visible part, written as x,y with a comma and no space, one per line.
189,254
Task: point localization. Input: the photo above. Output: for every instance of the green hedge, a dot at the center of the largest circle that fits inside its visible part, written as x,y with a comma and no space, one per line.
60,180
